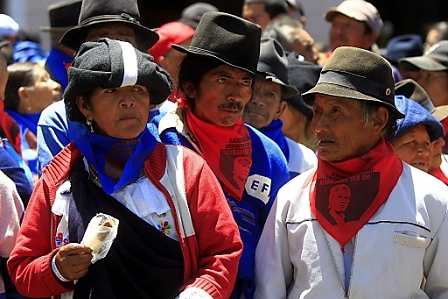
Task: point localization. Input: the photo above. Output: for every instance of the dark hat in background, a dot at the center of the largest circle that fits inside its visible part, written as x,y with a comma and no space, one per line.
303,75
111,64
415,114
273,63
63,16
192,14
412,90
94,12
169,34
359,10
358,74
435,59
403,46
228,38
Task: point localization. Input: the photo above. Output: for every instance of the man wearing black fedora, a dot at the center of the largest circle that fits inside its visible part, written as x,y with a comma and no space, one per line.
63,16
216,78
268,103
391,235
116,19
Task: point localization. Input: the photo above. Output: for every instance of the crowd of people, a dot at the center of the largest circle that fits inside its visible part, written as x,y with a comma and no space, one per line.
222,156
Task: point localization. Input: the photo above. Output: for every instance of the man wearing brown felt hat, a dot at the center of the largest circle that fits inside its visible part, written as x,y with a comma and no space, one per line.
316,245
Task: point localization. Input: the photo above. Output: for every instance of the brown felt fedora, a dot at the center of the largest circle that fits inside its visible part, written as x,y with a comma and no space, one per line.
357,74
227,38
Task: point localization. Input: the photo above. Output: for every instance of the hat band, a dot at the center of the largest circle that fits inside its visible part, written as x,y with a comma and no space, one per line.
356,82
111,18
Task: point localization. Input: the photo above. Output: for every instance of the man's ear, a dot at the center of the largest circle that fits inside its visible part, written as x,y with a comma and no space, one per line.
83,107
189,89
380,118
281,109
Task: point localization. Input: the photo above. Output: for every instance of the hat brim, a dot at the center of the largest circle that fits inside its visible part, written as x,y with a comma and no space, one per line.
55,29
344,92
208,54
422,62
298,103
74,37
440,112
288,91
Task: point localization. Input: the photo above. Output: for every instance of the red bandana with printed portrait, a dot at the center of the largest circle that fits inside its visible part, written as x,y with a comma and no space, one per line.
345,195
227,150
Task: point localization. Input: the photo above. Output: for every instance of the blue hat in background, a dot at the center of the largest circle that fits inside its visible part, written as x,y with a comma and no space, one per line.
403,46
415,115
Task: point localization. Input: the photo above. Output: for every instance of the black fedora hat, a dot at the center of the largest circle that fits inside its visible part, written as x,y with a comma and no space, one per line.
412,90
273,63
63,16
303,75
228,38
95,12
358,74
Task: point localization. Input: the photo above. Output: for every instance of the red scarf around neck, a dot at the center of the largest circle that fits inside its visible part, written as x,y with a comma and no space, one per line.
438,173
345,195
227,150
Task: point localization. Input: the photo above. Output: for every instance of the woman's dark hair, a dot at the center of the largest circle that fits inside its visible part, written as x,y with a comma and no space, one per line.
21,74
73,112
192,68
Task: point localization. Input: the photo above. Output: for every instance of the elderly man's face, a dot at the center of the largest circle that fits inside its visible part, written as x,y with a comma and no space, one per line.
346,31
221,95
340,130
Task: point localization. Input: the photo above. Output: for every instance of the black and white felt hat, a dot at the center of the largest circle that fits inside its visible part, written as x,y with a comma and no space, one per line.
111,64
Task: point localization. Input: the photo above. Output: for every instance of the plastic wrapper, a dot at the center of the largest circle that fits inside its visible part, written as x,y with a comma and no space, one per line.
100,234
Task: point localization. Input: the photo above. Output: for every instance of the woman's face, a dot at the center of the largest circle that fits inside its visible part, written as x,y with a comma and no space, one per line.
117,112
44,91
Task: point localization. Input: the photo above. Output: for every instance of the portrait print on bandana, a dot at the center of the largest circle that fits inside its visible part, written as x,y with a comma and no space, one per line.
344,201
235,162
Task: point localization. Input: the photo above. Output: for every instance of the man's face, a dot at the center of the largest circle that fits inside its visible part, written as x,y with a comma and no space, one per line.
339,198
221,95
340,130
303,44
265,104
414,147
435,83
256,13
346,31
117,31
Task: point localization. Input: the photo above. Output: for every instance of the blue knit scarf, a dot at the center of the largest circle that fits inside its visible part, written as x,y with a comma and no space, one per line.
131,151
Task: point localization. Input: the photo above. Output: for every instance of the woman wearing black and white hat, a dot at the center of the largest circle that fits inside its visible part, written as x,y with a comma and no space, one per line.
176,237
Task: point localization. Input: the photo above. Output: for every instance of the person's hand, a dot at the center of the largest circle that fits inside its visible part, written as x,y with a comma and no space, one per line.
73,260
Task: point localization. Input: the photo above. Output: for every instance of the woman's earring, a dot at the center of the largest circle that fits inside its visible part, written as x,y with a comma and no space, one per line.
90,125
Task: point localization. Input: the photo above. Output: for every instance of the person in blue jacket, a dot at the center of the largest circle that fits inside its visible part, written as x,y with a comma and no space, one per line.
216,78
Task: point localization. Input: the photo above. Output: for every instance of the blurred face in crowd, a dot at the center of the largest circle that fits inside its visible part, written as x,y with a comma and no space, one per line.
435,83
43,92
303,43
127,110
256,13
340,129
346,31
265,105
3,75
221,95
172,59
414,147
117,31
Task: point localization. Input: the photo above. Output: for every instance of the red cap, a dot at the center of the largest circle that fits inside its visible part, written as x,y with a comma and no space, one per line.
170,33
